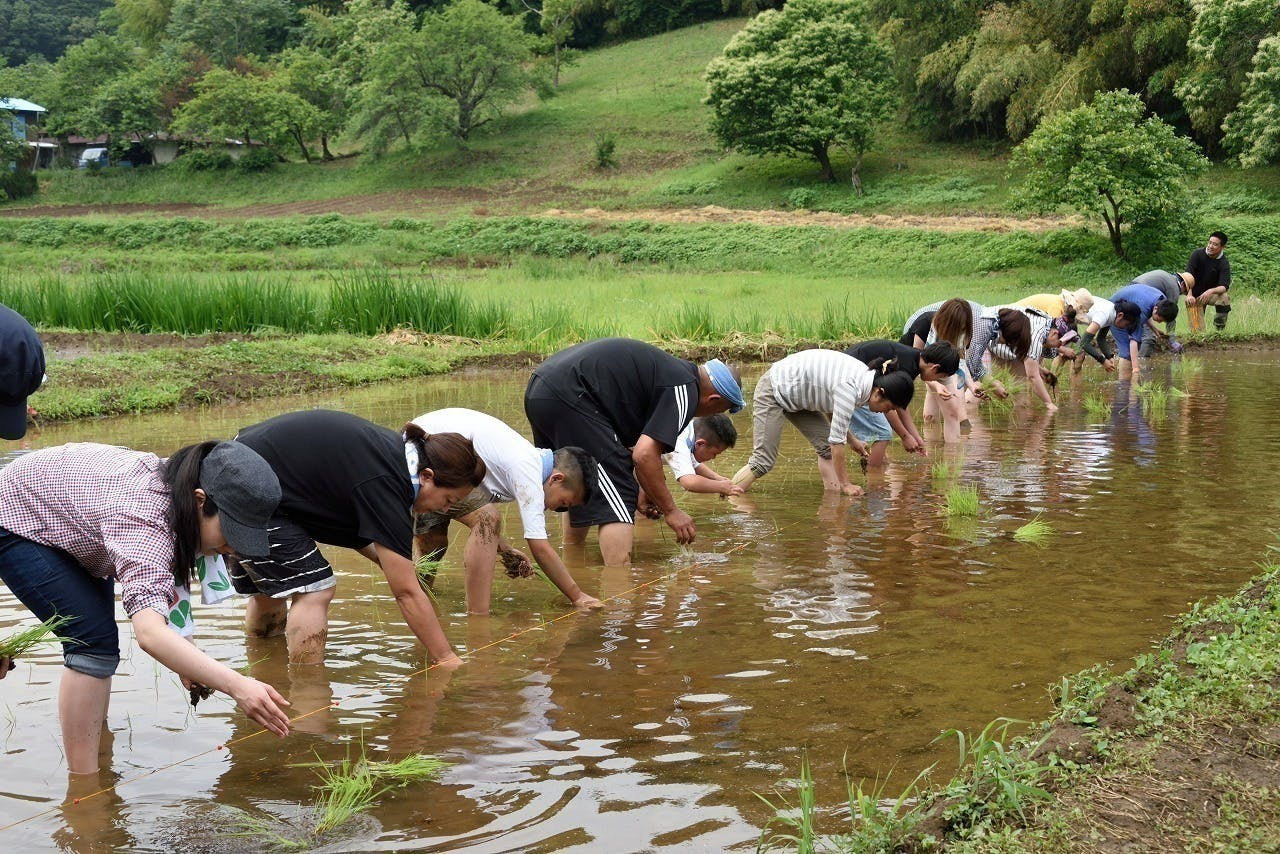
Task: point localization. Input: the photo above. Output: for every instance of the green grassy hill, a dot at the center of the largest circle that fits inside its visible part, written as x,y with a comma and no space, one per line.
648,93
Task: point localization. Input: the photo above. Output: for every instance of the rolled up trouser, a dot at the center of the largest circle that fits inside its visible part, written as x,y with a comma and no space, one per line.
767,416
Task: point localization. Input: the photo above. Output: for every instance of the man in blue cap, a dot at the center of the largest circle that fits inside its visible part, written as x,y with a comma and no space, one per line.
21,371
625,403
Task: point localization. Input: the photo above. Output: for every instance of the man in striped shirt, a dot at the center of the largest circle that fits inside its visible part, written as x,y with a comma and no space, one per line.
625,403
818,392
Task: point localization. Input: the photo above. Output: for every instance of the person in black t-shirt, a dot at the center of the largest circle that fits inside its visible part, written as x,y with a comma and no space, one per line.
1212,273
934,363
347,482
610,396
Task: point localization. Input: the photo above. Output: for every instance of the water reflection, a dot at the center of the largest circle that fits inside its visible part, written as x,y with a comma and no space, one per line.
859,628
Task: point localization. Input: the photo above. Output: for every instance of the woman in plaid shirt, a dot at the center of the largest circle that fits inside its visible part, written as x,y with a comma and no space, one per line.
77,518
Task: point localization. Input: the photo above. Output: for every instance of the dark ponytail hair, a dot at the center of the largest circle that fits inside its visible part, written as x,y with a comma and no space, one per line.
896,384
181,474
942,354
1015,329
451,457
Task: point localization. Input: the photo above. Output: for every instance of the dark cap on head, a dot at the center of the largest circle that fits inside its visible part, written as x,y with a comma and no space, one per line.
247,493
21,371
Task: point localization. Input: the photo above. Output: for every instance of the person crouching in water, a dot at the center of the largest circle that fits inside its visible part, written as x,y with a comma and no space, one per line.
351,483
818,391
936,363
536,479
701,442
76,518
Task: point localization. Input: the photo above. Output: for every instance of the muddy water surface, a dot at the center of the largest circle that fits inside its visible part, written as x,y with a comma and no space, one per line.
859,628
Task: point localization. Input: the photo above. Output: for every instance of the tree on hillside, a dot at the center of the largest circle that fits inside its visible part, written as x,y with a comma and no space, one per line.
801,80
454,73
1224,40
227,29
1105,158
144,20
79,74
248,107
1253,130
557,19
315,78
473,56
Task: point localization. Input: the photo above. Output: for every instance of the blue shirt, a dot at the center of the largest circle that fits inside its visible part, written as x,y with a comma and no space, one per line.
1145,298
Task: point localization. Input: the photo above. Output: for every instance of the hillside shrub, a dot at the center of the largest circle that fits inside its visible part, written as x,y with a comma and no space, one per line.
203,160
256,160
17,184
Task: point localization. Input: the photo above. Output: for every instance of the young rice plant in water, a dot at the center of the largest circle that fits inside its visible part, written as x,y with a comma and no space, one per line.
1036,532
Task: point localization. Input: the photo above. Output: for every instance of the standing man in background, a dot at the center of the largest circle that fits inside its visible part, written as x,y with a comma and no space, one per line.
21,371
1211,272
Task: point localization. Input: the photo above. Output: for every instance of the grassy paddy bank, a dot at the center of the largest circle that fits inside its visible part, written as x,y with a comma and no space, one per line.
1181,752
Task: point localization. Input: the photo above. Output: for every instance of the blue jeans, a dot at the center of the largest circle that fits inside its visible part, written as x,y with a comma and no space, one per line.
50,582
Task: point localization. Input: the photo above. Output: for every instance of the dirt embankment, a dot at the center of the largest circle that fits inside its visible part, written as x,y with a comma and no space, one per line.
431,202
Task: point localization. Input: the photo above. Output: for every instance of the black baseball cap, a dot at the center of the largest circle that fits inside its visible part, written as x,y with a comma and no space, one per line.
247,493
21,371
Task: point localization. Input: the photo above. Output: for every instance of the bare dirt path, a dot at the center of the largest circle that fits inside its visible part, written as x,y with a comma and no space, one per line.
428,202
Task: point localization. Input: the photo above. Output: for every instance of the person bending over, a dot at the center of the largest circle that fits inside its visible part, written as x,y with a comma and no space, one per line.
818,391
626,403
936,364
535,479
348,482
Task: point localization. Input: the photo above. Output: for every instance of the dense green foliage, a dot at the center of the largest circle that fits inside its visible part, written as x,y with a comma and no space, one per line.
33,29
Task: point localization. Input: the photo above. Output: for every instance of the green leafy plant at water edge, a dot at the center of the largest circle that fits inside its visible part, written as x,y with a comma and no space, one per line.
795,825
962,501
1156,397
1035,532
991,781
1187,365
46,632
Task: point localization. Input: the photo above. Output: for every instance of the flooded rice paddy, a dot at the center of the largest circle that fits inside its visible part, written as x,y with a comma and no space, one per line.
858,628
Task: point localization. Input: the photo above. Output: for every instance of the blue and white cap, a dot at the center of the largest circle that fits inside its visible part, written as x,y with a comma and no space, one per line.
726,386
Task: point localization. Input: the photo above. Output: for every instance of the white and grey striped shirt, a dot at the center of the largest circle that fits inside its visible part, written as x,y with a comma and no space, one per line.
1041,324
825,381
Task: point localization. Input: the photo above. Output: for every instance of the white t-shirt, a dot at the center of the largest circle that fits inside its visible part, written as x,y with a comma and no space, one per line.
1102,313
514,465
681,458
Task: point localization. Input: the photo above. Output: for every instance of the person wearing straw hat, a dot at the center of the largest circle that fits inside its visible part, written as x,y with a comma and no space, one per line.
21,372
535,479
1174,286
625,403
75,519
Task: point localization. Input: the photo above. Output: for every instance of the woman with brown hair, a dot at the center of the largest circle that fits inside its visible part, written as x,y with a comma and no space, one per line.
1017,335
952,321
351,483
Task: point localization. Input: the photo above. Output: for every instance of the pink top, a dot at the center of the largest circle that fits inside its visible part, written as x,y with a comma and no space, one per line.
103,505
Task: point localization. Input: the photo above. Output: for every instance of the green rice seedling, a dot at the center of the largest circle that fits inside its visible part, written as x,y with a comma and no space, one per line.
1156,397
1187,365
412,769
962,501
46,632
796,830
546,579
426,570
943,473
991,781
268,831
1036,532
1097,407
346,790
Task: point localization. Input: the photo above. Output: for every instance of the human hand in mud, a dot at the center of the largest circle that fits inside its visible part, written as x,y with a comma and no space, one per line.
198,692
6,664
516,563
587,602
